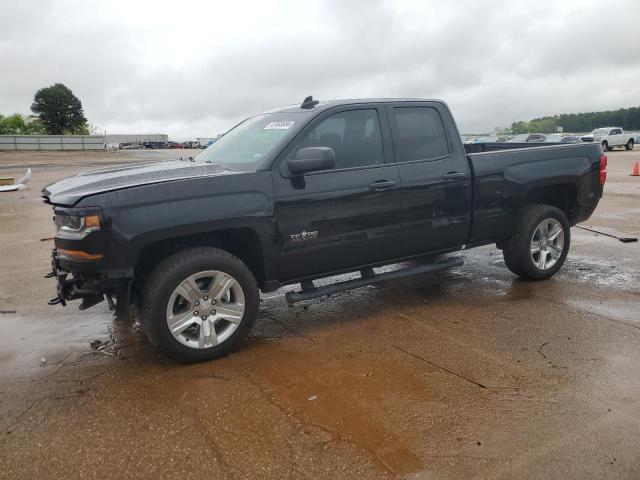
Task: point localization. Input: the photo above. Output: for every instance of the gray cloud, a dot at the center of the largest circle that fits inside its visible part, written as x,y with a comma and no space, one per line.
195,68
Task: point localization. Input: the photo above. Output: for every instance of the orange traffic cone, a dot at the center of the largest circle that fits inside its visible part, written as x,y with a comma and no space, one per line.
636,170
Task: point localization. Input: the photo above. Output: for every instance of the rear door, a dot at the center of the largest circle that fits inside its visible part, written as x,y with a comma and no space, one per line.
345,217
434,175
616,137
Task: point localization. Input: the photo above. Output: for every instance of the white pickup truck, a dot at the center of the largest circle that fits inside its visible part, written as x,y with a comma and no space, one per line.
611,137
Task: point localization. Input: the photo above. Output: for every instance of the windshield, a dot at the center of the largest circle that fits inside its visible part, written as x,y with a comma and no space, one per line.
244,146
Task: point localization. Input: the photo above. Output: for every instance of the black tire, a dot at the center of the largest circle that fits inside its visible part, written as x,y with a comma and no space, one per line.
605,147
629,145
518,256
511,262
169,274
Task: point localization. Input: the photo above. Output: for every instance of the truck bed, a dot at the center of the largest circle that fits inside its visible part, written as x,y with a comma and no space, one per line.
497,146
504,173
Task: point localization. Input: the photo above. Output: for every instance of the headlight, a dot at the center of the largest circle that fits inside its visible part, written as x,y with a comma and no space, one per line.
77,226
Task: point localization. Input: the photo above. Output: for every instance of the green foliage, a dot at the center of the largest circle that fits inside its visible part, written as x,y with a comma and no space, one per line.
627,118
34,126
83,129
59,110
13,124
519,127
17,124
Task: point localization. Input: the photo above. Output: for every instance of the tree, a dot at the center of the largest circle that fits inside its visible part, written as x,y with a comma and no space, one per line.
627,118
12,124
16,124
33,126
519,127
88,129
59,110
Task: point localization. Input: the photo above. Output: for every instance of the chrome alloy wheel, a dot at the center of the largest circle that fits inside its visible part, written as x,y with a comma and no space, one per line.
547,244
205,309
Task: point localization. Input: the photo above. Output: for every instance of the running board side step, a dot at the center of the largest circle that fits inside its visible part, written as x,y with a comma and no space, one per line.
368,277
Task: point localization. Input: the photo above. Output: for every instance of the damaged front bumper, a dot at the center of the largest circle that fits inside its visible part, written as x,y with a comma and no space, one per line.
89,286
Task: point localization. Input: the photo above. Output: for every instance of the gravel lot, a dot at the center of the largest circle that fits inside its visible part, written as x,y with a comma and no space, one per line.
467,374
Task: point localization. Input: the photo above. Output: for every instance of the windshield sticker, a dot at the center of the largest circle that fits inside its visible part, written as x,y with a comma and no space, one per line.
284,125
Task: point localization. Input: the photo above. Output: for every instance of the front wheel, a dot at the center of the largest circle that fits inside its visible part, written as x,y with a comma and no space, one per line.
541,242
629,145
199,304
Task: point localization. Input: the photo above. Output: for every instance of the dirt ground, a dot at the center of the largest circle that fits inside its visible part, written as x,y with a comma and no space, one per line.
470,373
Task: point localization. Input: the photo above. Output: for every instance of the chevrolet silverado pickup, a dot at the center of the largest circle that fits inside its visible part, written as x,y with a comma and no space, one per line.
305,192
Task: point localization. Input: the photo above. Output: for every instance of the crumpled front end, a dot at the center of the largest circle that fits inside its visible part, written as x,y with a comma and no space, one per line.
79,261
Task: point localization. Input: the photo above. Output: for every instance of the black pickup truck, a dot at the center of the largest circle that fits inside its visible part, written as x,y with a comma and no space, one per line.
305,192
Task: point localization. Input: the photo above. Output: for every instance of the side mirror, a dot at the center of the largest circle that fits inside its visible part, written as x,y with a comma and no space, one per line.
312,159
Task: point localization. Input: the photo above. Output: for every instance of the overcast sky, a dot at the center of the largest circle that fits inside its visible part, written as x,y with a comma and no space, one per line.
191,68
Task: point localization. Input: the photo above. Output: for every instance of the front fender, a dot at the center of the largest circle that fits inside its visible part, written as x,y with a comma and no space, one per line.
138,216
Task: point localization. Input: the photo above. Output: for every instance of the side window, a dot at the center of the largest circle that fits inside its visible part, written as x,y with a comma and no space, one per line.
420,134
353,135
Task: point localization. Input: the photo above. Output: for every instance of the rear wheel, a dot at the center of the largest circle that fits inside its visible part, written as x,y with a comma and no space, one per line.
629,145
605,146
511,262
199,304
541,243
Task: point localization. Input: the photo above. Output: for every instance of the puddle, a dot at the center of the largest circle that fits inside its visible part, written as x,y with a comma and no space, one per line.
600,273
26,340
616,308
34,343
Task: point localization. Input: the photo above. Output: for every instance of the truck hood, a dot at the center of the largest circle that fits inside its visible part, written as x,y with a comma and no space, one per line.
72,189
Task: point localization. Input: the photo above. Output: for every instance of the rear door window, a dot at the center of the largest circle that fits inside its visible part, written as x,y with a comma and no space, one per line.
419,134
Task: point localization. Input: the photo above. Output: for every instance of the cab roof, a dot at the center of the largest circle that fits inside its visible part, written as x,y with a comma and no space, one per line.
306,106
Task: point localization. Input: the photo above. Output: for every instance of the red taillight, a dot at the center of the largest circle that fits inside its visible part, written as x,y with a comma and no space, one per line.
603,169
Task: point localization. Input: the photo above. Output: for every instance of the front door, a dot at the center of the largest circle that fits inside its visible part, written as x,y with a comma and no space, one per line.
347,216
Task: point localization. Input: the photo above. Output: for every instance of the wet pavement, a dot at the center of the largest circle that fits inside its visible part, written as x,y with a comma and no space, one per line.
470,373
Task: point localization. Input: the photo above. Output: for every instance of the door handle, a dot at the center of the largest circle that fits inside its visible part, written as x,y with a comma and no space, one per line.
450,175
382,185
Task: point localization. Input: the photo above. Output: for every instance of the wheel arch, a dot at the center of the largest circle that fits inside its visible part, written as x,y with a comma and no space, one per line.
563,196
242,242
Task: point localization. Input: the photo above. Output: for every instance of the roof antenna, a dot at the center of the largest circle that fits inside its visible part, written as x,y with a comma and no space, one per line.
309,102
